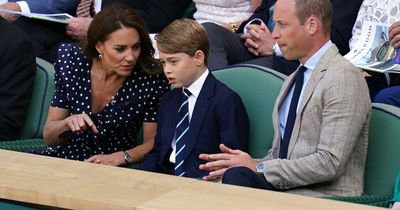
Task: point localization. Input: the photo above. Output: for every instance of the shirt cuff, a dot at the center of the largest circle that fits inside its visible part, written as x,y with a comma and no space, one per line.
24,7
255,20
97,5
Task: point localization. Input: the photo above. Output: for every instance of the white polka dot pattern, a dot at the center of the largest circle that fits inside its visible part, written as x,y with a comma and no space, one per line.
136,101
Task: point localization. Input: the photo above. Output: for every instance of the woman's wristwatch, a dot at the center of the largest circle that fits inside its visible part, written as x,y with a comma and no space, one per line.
127,157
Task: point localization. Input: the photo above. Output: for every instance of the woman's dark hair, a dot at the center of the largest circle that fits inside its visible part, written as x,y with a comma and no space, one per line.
116,16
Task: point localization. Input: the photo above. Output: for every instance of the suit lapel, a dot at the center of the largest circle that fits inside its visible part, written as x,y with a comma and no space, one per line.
171,112
315,77
199,112
279,100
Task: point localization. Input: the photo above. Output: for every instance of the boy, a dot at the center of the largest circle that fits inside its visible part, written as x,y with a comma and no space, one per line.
200,113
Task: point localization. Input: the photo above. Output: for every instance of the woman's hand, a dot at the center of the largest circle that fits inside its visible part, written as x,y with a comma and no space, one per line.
80,122
114,159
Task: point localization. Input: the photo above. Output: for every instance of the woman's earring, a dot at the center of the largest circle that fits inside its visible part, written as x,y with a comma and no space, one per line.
100,56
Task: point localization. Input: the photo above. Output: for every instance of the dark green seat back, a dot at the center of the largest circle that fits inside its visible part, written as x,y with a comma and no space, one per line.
383,158
258,87
43,91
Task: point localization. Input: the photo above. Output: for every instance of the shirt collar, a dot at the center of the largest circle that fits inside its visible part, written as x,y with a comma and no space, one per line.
311,63
196,86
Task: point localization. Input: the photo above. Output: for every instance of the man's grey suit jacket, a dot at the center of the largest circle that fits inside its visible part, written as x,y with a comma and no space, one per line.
328,146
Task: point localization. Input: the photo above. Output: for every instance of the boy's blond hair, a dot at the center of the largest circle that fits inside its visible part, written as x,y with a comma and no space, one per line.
183,36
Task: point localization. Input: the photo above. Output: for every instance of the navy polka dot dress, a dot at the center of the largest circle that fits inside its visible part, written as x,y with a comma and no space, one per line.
136,101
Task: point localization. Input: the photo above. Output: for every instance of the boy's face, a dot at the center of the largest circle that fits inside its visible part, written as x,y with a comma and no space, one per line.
181,69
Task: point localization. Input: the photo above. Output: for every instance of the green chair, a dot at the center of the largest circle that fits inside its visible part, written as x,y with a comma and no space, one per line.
31,134
383,158
258,87
43,91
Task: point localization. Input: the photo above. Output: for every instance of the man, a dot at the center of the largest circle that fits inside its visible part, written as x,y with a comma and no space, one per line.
156,14
17,70
256,45
44,35
320,149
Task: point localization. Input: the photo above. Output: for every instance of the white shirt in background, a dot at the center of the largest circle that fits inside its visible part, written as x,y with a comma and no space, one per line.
222,12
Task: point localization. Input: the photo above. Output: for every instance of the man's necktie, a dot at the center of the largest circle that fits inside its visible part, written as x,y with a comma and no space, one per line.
292,112
85,8
182,126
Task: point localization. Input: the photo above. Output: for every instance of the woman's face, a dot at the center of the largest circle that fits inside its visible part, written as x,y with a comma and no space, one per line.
120,51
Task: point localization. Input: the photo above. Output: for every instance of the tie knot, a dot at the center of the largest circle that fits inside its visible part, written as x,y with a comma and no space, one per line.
302,69
186,93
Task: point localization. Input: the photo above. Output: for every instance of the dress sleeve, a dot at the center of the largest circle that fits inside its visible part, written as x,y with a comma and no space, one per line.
159,88
60,99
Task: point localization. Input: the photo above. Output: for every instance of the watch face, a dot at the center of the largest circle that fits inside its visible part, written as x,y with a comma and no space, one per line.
260,167
127,158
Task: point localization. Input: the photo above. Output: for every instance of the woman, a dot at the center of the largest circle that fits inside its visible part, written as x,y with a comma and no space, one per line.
104,96
227,13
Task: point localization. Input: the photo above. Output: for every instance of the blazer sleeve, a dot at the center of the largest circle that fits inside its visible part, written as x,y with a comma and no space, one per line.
53,6
262,12
152,159
17,67
345,113
234,123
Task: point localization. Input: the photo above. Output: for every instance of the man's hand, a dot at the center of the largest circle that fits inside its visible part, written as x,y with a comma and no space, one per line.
219,163
258,40
77,27
394,34
10,6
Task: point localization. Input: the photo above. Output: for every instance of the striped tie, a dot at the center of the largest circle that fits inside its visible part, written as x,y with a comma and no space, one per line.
85,8
182,127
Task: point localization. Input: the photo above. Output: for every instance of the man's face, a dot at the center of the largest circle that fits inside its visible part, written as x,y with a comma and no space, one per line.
288,32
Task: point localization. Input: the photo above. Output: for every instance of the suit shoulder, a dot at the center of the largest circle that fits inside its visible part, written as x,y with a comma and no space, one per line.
344,66
342,72
15,36
223,91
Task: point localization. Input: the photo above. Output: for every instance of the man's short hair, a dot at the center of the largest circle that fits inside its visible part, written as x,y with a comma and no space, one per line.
183,36
320,8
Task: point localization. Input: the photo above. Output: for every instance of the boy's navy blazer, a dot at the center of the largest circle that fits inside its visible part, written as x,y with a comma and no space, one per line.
218,117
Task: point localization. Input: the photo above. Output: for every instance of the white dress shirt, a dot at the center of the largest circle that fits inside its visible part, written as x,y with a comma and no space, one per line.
310,64
194,89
